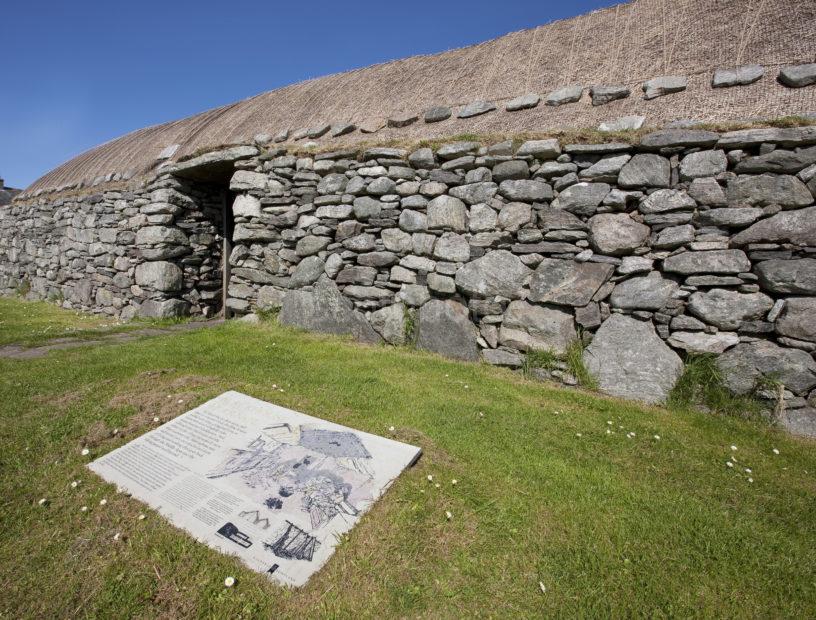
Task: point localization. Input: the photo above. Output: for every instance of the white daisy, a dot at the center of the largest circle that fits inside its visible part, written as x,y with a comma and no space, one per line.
229,582
448,515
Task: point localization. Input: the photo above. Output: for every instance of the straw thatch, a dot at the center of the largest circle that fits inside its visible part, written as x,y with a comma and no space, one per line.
625,44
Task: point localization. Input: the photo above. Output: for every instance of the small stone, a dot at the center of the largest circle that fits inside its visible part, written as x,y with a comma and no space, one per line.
568,94
476,108
437,113
402,120
665,85
524,102
624,123
739,76
602,95
798,76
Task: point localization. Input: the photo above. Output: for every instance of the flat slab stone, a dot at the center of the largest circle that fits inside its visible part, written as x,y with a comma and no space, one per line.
276,488
738,76
476,108
436,114
568,94
628,359
524,102
798,76
566,282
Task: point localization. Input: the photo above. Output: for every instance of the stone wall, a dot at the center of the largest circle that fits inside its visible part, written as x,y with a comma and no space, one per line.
687,242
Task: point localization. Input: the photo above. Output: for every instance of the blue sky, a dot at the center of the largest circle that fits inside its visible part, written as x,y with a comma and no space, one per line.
78,73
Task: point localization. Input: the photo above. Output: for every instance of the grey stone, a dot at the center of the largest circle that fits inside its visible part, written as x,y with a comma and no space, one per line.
797,76
503,357
768,189
798,319
311,244
496,273
381,186
528,327
165,309
800,422
396,240
455,150
318,131
481,218
645,170
307,271
356,291
667,200
437,113
246,206
524,102
422,158
413,295
366,208
700,342
650,292
402,120
447,212
526,190
670,138
514,215
664,85
635,264
778,161
605,169
708,261
244,180
734,216
788,276
787,227
160,235
673,237
624,123
727,309
352,274
568,94
413,221
389,322
377,259
745,364
738,76
602,95
342,129
475,108
473,193
441,284
444,327
703,164
551,218
540,149
159,275
270,297
707,192
326,310
566,282
787,137
221,156
616,234
628,359
582,198
512,169
332,184
360,243
334,212
452,247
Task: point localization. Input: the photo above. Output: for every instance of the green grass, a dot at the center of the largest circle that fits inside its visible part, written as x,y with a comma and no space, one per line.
613,526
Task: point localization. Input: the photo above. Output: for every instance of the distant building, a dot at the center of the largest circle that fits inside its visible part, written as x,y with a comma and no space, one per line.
7,194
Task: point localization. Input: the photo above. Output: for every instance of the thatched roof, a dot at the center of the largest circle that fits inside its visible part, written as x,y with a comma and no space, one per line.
625,44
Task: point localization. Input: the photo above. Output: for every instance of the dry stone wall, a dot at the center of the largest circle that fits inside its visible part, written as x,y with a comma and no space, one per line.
690,241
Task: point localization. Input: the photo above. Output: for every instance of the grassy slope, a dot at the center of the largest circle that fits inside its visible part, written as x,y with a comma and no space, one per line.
613,526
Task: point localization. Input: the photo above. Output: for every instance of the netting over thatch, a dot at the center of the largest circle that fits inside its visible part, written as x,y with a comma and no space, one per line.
625,44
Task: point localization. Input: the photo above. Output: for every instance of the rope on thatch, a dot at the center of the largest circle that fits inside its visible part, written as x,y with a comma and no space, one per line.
746,34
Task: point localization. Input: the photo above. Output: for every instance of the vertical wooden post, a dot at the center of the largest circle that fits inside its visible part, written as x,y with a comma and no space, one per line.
225,254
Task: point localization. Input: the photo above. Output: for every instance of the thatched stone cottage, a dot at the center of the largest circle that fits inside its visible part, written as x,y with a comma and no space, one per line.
648,237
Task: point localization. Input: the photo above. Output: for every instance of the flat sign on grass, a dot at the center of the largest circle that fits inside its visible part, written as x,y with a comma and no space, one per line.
273,486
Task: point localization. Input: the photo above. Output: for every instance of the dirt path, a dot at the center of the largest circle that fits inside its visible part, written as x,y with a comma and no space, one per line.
20,352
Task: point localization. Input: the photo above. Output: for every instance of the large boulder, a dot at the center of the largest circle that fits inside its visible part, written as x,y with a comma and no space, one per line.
536,328
800,421
787,227
444,327
748,362
326,310
616,234
496,273
798,319
788,276
727,309
650,292
159,275
567,282
628,359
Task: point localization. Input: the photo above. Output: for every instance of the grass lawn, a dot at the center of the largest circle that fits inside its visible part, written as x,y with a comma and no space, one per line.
612,525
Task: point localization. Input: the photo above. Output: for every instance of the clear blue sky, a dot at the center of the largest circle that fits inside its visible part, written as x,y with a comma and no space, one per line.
78,73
